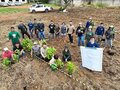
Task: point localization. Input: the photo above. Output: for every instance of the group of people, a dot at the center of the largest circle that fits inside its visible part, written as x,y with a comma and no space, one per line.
86,37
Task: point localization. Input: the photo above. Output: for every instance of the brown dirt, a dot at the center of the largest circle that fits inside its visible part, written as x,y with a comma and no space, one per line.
35,75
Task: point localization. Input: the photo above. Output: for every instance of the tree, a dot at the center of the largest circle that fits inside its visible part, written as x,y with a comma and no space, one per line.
67,3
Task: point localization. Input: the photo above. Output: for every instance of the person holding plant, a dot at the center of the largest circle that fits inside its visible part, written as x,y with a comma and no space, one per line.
110,35
80,33
92,43
7,54
70,32
56,63
66,54
23,29
43,52
89,34
35,50
41,30
52,29
14,36
18,50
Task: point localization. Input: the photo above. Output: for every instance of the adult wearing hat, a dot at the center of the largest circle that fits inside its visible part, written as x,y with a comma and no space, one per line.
35,50
109,36
66,54
7,54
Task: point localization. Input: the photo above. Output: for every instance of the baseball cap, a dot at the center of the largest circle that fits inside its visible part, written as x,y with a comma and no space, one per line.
5,49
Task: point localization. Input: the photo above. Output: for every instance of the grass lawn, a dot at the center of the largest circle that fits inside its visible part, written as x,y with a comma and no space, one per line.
14,9
8,10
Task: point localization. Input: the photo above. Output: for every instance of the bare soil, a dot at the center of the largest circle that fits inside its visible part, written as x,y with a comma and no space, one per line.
36,75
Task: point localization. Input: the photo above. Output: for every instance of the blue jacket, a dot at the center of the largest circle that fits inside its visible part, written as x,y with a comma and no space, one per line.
100,30
89,23
30,25
94,45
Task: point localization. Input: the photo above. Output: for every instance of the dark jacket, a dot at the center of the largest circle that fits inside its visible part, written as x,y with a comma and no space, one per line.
110,34
100,30
52,28
41,27
94,45
30,25
66,55
89,23
80,31
22,27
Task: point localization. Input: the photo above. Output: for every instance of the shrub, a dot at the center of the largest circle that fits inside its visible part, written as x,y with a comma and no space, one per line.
70,68
59,64
101,5
27,44
6,62
44,1
50,52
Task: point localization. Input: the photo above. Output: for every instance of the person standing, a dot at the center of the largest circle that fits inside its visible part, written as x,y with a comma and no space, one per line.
89,34
41,30
14,36
57,31
100,32
110,36
89,23
63,31
35,27
52,29
70,32
30,26
80,33
23,29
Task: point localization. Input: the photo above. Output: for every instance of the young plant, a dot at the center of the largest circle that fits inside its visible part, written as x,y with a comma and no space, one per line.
15,57
70,68
59,64
27,44
6,62
50,52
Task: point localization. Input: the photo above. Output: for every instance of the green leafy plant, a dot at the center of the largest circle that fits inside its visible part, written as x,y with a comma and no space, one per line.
50,52
27,44
70,68
53,67
101,5
6,62
59,64
16,57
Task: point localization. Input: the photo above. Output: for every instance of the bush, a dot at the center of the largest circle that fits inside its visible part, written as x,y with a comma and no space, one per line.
50,52
101,5
6,62
70,68
27,44
44,1
59,64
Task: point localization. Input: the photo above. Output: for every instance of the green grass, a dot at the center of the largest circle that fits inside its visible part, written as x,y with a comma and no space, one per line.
8,10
